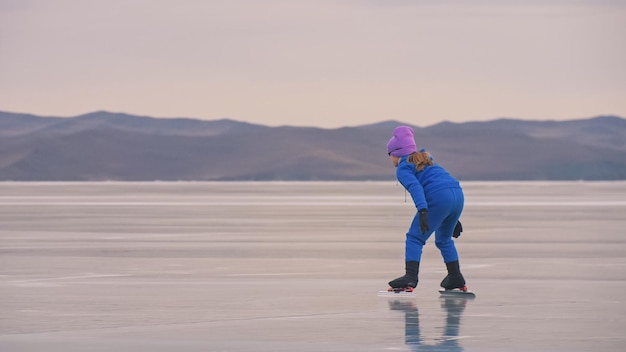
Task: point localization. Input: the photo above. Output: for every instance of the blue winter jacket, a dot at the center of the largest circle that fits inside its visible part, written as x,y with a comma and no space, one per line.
423,183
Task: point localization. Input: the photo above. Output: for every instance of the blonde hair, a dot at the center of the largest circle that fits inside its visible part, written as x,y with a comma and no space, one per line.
421,159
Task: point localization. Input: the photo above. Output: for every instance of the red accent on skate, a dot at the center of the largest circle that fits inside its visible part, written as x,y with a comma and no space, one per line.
398,290
464,289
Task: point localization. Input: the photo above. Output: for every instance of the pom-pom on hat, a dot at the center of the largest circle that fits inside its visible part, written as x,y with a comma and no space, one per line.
402,143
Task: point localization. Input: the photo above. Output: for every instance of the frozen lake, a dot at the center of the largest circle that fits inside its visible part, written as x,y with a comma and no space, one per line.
246,266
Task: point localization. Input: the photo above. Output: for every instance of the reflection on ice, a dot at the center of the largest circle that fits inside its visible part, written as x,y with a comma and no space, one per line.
448,338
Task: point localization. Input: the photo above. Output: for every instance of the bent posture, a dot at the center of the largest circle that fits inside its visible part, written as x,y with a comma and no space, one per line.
439,200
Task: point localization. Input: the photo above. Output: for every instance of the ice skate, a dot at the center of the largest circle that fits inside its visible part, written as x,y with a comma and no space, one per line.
409,280
461,291
398,292
404,284
454,282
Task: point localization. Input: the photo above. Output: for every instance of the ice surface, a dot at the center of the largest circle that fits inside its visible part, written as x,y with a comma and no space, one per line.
283,266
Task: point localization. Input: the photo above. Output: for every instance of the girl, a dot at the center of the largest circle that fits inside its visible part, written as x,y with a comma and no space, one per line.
438,198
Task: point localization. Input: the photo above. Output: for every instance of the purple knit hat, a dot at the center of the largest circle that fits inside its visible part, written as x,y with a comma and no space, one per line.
402,143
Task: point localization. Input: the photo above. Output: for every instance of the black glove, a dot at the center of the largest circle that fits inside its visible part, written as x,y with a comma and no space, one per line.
457,230
423,214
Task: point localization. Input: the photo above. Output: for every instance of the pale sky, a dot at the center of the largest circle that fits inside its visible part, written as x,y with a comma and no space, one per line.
326,63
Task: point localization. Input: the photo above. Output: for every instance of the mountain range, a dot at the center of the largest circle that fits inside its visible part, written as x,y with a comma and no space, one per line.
102,146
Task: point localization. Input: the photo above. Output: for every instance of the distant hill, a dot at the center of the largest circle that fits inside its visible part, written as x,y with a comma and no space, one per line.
111,146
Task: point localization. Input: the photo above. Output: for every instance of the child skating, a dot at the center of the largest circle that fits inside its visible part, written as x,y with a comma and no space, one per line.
439,200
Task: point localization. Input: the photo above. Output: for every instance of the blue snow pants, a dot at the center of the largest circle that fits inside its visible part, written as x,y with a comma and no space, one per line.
444,209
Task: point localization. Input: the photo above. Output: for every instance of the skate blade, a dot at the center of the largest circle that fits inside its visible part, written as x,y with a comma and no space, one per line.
396,294
456,292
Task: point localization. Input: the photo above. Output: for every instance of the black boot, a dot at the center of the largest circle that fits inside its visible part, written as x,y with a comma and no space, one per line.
409,279
455,278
